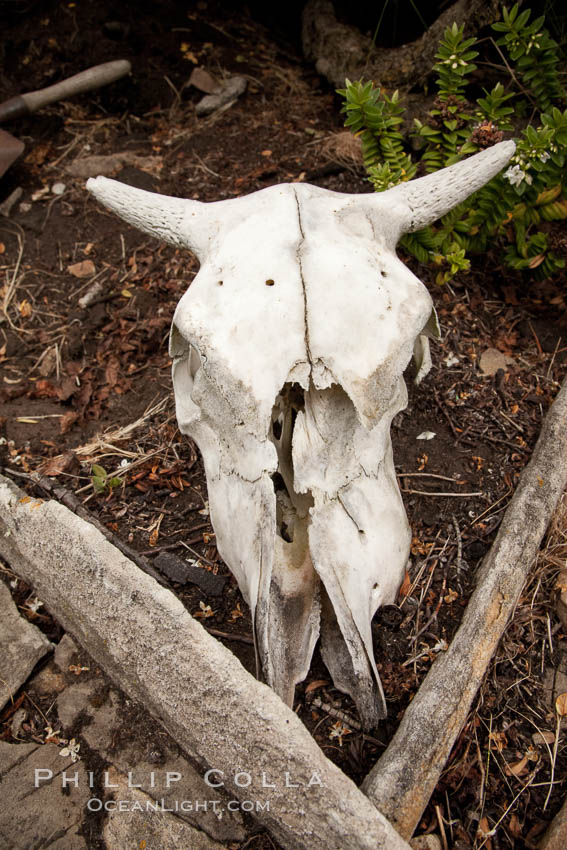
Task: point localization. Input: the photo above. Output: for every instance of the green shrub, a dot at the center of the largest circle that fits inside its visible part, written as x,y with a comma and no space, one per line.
509,212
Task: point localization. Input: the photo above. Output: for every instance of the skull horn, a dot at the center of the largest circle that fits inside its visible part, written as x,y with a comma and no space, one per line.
428,198
180,222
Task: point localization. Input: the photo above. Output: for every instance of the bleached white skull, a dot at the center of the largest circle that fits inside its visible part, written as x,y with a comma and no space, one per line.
288,352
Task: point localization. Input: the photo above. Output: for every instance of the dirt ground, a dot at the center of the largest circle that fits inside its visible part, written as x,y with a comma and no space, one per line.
90,385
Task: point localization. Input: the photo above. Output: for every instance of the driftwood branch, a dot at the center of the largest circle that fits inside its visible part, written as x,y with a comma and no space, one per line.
153,649
403,780
340,51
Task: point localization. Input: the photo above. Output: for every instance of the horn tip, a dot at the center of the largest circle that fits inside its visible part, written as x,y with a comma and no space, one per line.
95,184
507,148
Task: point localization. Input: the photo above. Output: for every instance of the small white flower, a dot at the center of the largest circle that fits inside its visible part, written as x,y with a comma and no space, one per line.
528,178
544,156
34,605
454,65
514,175
124,462
53,736
72,750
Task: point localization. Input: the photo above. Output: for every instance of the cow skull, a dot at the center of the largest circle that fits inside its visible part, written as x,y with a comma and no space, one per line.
288,352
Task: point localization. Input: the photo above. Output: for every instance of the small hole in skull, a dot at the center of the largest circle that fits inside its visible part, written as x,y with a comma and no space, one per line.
362,532
383,273
270,282
221,282
276,429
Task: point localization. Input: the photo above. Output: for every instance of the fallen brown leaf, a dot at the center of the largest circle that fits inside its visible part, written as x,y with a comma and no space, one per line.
55,466
561,705
543,737
313,686
67,421
203,81
25,309
406,585
517,768
67,388
85,268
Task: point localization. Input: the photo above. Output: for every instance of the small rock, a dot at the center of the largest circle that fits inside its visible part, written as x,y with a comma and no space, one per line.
426,842
23,646
65,653
230,91
48,681
17,721
58,189
492,360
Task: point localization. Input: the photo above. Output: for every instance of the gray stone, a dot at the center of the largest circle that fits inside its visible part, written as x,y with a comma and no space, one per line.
492,360
18,719
110,723
146,641
230,91
48,680
426,842
46,815
22,647
65,653
555,838
77,699
138,825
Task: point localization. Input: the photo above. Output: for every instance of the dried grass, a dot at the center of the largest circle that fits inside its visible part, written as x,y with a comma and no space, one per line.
342,148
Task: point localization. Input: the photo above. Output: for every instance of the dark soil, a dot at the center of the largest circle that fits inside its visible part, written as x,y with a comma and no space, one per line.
71,377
